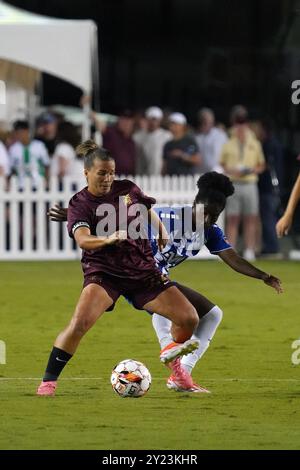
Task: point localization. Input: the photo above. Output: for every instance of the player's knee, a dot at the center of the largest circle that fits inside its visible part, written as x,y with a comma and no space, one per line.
194,319
191,318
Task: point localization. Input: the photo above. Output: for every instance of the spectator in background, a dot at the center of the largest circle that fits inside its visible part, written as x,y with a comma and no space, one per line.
46,131
7,137
210,141
140,121
64,161
150,143
4,161
28,157
181,154
117,139
243,160
269,187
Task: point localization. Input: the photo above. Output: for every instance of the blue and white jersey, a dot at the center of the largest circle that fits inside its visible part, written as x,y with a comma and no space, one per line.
183,242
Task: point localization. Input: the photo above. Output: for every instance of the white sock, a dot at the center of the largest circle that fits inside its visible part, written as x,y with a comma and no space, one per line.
162,327
204,333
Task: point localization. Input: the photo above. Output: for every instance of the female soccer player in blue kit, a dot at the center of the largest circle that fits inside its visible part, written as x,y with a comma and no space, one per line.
213,189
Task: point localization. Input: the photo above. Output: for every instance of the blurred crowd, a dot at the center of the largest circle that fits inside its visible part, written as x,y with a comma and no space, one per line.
155,142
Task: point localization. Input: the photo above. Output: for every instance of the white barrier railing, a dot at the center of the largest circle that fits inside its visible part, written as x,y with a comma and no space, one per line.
26,232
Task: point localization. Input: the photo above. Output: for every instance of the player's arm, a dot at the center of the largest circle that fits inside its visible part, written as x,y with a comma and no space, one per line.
242,266
86,241
60,214
284,224
157,224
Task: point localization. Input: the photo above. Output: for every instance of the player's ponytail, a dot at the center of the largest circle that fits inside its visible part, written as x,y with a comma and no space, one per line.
86,147
214,187
89,151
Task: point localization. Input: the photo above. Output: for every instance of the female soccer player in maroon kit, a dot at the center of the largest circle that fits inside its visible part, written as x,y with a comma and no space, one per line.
117,265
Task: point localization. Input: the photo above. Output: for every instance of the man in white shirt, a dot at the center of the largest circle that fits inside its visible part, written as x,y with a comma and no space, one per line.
150,143
210,141
28,157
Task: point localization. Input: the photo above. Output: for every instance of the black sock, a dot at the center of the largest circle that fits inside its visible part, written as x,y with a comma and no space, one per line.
57,361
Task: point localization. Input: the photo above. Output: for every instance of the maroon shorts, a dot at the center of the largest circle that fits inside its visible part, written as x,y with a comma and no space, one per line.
136,291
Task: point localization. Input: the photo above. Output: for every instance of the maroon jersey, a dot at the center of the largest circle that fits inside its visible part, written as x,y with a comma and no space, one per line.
130,258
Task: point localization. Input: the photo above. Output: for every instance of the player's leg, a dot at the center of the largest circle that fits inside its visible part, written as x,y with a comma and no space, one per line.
210,317
162,325
173,305
93,302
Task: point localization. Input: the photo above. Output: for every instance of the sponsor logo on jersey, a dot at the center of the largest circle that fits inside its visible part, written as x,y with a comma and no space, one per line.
127,200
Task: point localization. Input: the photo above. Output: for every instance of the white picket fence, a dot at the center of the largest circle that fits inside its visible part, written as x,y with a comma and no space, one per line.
27,234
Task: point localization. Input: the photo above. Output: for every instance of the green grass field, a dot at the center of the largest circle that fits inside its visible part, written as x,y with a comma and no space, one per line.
255,388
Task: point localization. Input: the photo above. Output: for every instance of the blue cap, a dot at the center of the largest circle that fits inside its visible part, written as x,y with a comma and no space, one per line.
46,118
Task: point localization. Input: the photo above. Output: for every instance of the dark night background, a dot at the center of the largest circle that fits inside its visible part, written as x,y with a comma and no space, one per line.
184,54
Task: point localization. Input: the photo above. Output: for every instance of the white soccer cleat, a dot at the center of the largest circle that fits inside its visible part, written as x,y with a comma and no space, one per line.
174,350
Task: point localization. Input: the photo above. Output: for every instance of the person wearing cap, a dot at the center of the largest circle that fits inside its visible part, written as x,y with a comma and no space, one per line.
181,154
150,143
243,160
28,158
46,130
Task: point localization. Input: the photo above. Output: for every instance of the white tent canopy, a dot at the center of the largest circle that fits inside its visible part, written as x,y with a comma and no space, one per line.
65,48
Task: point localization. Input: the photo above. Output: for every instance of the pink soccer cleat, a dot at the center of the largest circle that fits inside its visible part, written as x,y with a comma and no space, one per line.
181,376
174,350
173,384
47,388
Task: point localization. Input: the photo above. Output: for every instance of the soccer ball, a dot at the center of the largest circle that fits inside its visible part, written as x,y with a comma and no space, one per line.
130,379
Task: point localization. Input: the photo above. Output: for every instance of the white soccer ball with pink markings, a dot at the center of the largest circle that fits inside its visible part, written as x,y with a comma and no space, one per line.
130,379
